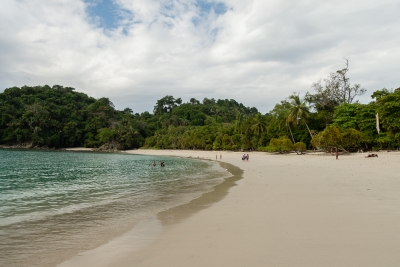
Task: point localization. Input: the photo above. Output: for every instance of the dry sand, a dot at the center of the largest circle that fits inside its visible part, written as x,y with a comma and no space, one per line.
287,210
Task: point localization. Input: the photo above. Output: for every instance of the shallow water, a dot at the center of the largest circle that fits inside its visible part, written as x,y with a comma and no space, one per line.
55,204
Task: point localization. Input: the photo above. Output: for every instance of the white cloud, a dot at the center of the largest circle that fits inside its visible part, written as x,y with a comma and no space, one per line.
257,53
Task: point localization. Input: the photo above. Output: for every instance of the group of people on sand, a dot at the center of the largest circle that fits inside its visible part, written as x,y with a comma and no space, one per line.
371,155
162,164
245,157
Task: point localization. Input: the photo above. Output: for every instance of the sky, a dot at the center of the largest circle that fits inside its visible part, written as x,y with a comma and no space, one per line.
257,52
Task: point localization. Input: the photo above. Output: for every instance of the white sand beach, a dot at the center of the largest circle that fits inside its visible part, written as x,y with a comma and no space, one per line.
287,210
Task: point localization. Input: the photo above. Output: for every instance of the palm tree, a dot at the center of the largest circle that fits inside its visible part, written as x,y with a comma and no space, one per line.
259,124
290,129
239,123
298,111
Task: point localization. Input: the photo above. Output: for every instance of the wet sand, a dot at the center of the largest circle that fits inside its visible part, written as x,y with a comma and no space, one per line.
287,210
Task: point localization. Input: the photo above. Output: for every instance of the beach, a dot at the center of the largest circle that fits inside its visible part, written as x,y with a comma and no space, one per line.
280,210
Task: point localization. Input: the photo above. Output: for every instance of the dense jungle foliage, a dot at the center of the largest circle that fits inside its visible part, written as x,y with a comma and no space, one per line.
327,117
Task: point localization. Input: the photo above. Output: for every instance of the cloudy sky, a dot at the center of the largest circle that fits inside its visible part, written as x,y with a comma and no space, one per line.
256,51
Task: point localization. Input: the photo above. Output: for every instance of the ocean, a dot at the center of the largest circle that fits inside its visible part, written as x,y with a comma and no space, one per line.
54,204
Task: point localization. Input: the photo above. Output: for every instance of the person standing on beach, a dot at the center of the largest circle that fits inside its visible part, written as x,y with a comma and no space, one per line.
220,156
247,157
216,157
337,153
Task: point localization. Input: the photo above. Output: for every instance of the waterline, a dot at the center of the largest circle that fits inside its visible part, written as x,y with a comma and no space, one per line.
54,204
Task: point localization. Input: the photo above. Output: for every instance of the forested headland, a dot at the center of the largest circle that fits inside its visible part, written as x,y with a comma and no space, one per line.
328,116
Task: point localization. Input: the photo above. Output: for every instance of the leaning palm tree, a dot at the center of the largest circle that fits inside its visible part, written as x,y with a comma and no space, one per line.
298,112
290,129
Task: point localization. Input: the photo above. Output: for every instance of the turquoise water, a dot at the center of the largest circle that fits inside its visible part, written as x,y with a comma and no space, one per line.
55,204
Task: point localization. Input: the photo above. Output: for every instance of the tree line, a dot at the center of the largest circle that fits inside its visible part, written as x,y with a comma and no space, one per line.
328,116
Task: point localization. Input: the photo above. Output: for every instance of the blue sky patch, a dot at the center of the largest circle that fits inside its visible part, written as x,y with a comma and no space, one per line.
206,7
106,13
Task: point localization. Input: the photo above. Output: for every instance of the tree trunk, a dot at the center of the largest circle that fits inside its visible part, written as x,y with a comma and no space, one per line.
308,129
291,133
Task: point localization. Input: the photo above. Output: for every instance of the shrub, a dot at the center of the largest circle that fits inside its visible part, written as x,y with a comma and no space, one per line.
281,144
333,136
300,147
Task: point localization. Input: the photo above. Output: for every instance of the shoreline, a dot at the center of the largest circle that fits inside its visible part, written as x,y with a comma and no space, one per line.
146,231
287,210
97,235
